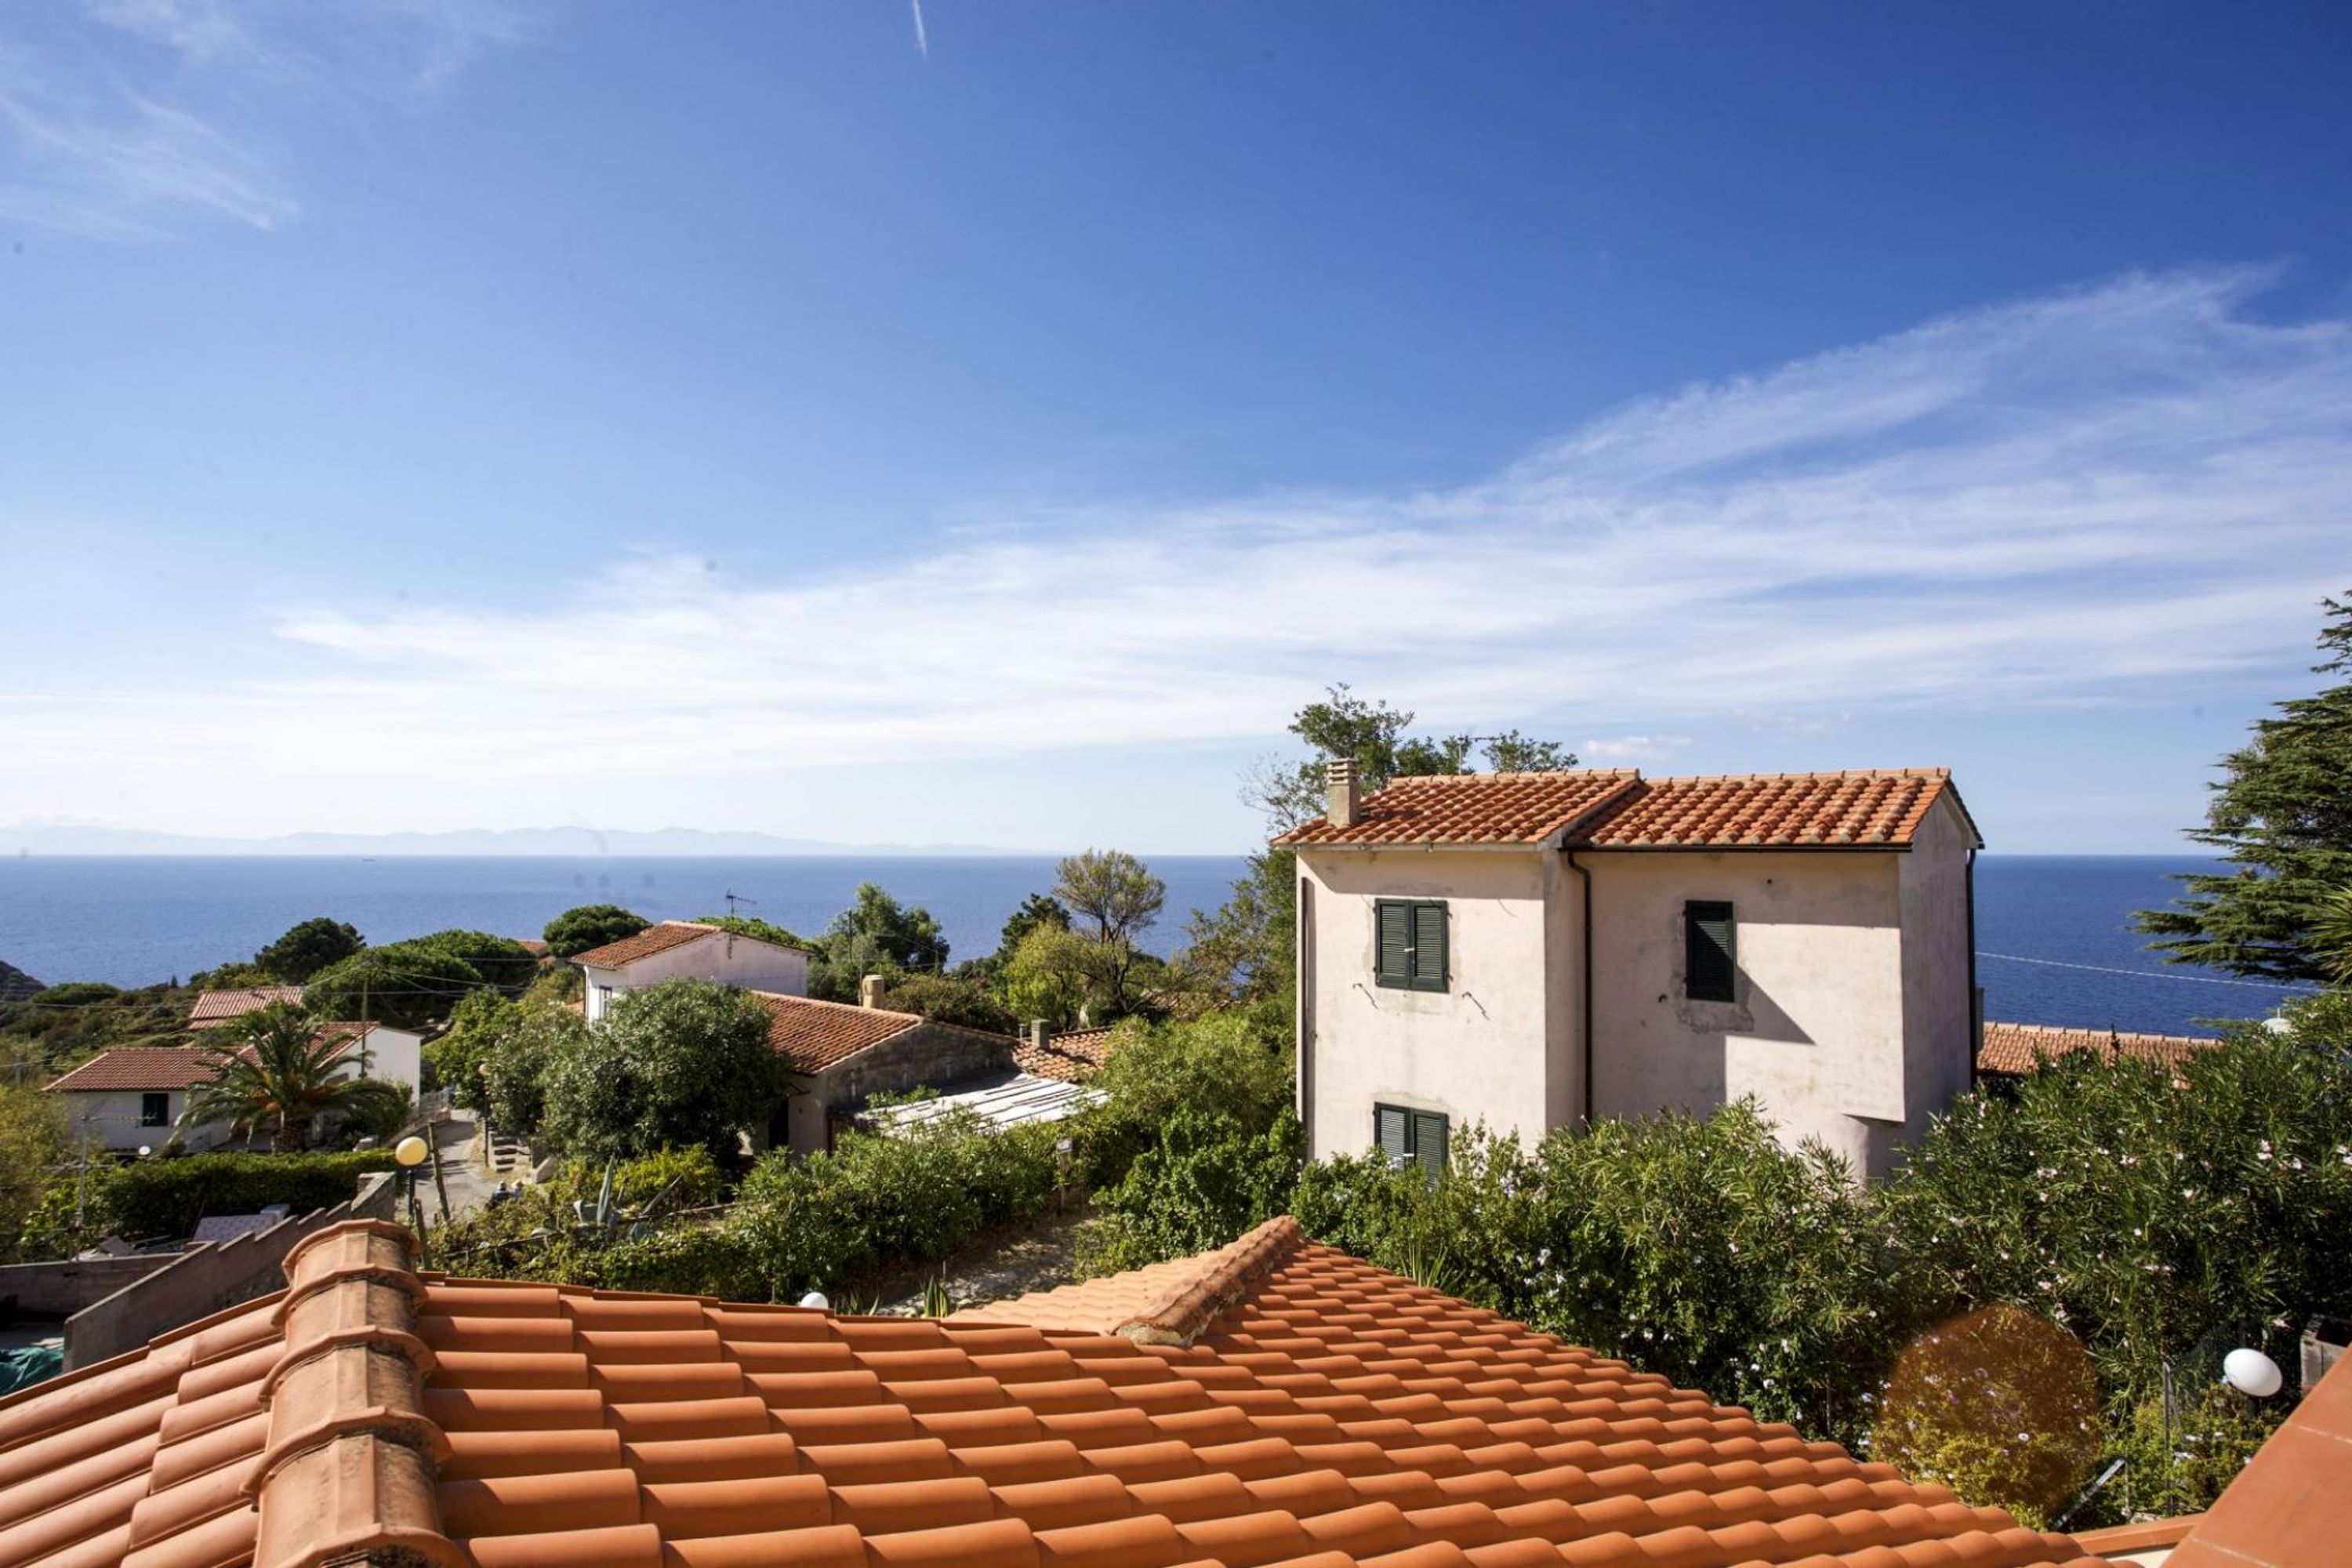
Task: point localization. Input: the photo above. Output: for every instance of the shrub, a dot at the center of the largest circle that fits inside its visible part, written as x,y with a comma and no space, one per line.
307,948
952,1000
76,994
575,930
167,1197
517,1056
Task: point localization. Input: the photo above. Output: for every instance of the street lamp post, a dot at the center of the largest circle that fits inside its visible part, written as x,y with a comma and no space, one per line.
410,1153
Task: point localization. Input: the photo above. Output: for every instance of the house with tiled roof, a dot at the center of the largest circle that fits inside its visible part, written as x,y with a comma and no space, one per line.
1276,1401
132,1097
688,949
1531,949
2012,1050
838,1056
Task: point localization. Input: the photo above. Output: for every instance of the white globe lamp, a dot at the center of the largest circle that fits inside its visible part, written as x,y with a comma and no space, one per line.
2251,1373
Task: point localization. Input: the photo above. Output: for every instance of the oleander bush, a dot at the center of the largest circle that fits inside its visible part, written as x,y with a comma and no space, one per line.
166,1197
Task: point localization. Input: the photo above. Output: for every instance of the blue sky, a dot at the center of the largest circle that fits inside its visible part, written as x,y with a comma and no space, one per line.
424,413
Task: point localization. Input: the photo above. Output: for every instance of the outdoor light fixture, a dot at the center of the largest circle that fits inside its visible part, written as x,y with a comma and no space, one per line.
410,1151
2251,1373
815,1298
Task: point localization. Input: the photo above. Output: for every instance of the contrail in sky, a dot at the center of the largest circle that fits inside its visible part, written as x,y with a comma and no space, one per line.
922,41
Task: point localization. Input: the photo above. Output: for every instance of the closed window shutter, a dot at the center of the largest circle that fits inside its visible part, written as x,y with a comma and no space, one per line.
1394,963
1710,952
1428,947
1390,1127
1428,1141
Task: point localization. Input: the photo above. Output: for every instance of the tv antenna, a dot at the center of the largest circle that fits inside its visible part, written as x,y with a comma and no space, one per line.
735,899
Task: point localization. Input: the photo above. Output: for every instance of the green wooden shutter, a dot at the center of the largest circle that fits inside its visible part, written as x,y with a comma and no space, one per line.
1710,952
1393,965
1428,1141
1393,1131
1428,947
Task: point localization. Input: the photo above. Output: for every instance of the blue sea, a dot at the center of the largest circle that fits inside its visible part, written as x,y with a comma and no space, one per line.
2053,933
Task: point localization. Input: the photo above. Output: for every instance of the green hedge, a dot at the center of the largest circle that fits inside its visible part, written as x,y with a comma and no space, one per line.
167,1197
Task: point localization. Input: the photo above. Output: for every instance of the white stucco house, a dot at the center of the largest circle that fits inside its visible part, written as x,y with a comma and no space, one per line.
134,1096
688,949
1534,950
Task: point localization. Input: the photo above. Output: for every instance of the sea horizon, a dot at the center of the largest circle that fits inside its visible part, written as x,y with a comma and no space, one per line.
2053,938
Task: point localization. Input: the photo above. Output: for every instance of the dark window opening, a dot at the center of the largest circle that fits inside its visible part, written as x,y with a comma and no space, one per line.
1410,944
1411,1137
155,1111
1710,952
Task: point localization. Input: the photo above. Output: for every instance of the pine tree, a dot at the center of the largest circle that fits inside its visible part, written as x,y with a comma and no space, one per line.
2282,813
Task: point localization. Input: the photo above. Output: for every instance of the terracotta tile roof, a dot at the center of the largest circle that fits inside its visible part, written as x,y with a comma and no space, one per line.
1619,809
2012,1049
1275,1402
1880,807
2291,1507
812,1035
138,1068
214,1008
1470,808
654,938
1072,1058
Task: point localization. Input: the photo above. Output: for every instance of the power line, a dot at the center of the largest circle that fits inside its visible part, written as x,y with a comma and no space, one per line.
2153,974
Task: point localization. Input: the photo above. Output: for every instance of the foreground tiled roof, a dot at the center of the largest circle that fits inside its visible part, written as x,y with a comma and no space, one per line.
1470,808
214,1008
1277,1403
1071,1058
1621,810
2291,1507
2012,1049
654,938
138,1068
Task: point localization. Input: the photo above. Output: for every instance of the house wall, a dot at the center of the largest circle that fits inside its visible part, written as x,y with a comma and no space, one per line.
1939,1010
396,1056
729,960
928,1056
1816,1029
1485,1048
112,1116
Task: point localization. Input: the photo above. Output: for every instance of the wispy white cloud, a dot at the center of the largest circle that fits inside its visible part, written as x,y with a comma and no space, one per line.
922,38
2084,497
133,120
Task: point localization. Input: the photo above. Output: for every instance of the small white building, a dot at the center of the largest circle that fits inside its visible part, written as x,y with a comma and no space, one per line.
1533,949
134,1096
688,949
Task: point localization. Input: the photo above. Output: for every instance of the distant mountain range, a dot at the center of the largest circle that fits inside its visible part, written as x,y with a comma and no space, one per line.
68,838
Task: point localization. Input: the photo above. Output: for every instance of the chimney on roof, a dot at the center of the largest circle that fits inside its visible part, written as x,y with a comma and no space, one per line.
1343,801
869,991
1041,1034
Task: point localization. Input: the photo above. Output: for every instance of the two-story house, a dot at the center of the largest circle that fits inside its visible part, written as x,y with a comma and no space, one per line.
688,949
1535,950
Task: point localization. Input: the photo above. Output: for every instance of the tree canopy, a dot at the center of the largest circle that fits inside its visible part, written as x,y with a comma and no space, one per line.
1344,725
275,1072
575,930
2281,815
307,948
682,1064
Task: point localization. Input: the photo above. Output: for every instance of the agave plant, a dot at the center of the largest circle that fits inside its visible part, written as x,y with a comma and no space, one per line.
275,1069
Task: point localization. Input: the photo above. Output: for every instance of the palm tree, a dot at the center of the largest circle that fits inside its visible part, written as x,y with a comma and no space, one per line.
276,1068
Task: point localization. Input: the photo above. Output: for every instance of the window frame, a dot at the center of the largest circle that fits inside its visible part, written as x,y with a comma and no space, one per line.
1696,915
1414,976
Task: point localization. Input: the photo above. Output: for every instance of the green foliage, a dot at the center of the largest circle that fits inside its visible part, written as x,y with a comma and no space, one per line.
458,1055
951,999
1230,1066
1345,725
376,1108
32,1140
872,1201
1036,909
577,929
307,948
1247,949
2283,817
400,984
763,930
167,1197
77,993
686,1062
876,935
1046,976
519,1057
275,1072
2215,1430
1116,895
2331,936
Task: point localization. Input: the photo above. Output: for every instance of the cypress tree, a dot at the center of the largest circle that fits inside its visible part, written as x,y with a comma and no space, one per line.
2283,814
